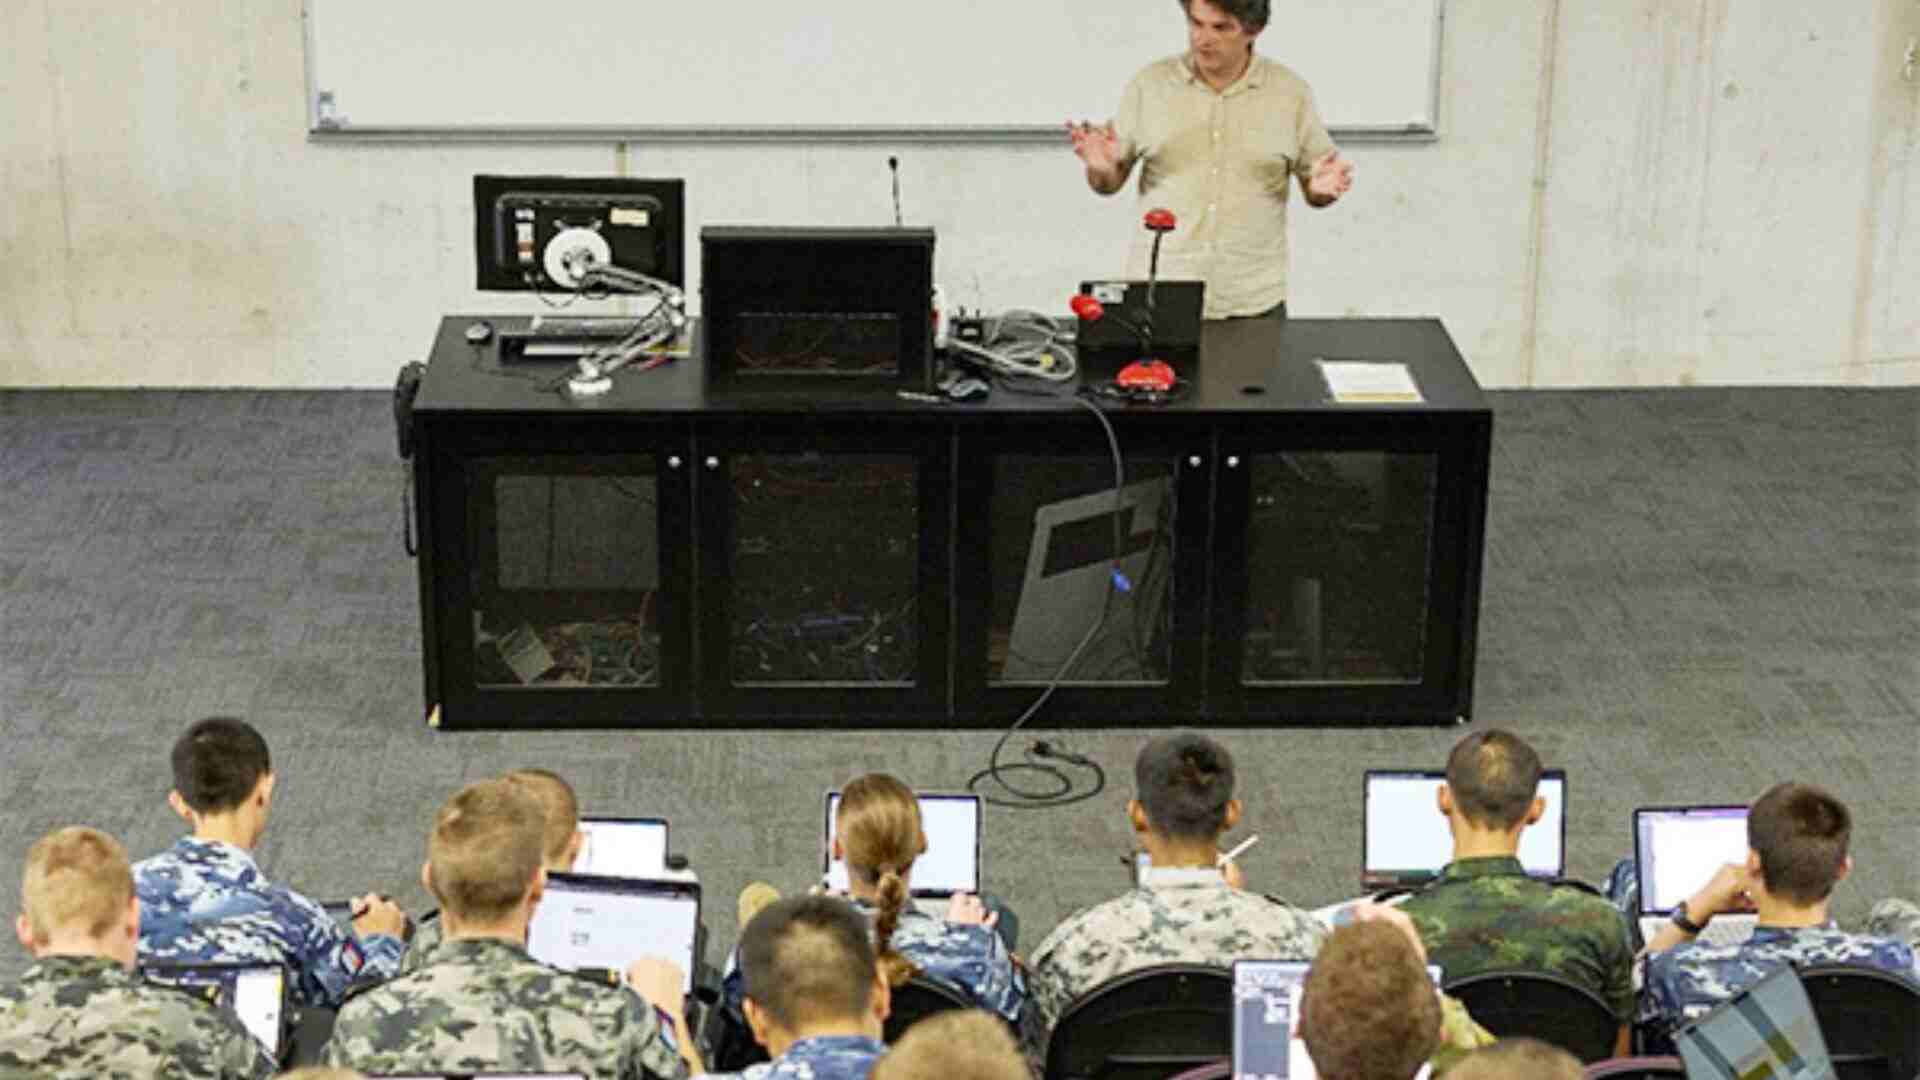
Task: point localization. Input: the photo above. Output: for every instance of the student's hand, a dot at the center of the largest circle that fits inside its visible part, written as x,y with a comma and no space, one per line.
1725,892
375,914
660,982
1331,178
1230,870
971,910
1096,144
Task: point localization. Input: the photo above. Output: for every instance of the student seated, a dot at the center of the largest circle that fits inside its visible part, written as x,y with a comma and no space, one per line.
1189,908
1797,837
478,1002
80,1010
1895,918
963,1044
815,995
561,842
204,900
1483,913
1369,1011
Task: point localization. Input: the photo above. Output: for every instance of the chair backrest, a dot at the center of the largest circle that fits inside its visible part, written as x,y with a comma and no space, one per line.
918,998
1219,1070
1145,1025
1547,1007
1664,1067
1871,1019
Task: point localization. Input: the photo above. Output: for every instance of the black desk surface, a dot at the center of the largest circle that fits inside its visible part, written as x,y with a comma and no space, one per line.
1235,355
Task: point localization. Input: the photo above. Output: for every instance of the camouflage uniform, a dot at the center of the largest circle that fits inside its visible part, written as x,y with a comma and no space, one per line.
1899,919
1486,914
204,902
823,1057
86,1016
1189,916
1688,980
484,1004
426,937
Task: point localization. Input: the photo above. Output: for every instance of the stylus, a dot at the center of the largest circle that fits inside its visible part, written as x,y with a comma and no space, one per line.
1238,850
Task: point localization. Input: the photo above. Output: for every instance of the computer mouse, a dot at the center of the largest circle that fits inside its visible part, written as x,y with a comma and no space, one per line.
968,389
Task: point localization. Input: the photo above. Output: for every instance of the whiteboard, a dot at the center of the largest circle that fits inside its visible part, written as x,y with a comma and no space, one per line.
775,68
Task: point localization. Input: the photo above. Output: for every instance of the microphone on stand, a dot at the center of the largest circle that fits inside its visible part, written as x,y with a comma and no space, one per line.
1159,222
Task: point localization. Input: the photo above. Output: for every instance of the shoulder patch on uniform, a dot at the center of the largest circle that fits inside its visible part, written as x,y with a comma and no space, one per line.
352,958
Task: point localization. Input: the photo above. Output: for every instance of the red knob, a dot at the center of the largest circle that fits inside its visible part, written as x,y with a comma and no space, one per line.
1086,307
1160,220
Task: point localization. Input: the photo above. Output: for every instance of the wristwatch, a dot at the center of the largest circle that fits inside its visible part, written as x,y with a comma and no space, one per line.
1680,920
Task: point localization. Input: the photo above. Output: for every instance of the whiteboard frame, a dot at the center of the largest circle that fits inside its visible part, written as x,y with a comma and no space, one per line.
322,127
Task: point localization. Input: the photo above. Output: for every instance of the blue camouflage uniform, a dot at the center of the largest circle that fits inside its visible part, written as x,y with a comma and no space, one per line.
206,902
823,1057
1688,980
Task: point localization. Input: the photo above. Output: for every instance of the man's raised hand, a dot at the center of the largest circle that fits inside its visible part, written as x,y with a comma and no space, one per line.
1331,178
1096,144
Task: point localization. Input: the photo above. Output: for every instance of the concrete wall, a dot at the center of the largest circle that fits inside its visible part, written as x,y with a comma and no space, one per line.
1626,192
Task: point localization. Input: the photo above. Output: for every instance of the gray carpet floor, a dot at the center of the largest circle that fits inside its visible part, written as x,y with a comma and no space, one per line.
1690,594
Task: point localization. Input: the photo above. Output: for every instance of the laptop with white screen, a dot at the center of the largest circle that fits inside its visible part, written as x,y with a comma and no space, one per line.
1677,849
622,847
1405,841
952,860
601,922
1768,1030
255,993
1266,1021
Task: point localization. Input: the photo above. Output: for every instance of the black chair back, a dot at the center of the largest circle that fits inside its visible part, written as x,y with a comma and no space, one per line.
1637,1068
1145,1025
918,998
1871,1020
1547,1007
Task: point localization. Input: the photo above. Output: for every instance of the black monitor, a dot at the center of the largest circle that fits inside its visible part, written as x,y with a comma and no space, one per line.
527,228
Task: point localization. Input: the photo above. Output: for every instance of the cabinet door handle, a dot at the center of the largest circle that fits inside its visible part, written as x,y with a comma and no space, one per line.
673,461
1193,462
713,462
1233,461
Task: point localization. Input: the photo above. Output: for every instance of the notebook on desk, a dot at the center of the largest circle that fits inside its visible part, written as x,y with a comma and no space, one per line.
257,994
608,923
1678,849
1405,841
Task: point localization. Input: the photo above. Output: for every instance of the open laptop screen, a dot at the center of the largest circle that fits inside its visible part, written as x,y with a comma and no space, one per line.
622,847
255,993
1406,841
597,922
1266,1021
952,861
1678,848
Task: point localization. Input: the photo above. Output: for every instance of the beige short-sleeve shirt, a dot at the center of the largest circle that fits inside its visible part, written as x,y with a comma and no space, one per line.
1223,163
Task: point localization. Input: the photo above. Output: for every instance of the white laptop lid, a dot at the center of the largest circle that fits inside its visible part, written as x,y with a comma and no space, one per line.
1266,1021
599,922
952,861
622,847
1405,840
1767,1030
1677,849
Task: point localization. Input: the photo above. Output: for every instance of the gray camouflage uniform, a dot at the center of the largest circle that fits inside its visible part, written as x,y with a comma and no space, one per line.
1189,916
823,1057
427,936
204,902
86,1016
1688,980
484,1004
1896,918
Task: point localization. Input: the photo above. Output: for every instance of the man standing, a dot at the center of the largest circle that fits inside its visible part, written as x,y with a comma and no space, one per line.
80,1010
1220,135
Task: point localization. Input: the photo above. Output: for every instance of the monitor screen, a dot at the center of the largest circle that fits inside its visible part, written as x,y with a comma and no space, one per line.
1266,1021
622,847
1680,848
589,922
255,993
527,228
952,860
1407,840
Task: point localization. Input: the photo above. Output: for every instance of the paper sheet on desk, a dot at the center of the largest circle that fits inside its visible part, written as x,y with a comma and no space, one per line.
1369,381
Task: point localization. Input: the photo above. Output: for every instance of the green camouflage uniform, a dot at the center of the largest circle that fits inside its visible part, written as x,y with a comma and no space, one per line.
87,1016
1897,919
483,1004
1486,914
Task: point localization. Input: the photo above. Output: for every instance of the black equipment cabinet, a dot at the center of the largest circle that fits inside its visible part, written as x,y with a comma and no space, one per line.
673,556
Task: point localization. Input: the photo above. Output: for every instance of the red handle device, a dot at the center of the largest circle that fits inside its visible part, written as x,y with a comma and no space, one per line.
1087,307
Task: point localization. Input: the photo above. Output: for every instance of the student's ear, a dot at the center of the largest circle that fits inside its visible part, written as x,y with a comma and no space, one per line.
265,791
1753,866
1443,796
538,889
839,849
1232,817
133,918
1846,867
757,1021
1535,810
882,998
23,930
574,847
179,804
1137,817
426,877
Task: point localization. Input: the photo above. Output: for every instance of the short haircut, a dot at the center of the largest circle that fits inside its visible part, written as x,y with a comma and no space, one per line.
808,959
1369,1010
218,763
77,880
1493,776
485,850
1518,1058
557,802
1251,14
1184,781
1801,834
959,1044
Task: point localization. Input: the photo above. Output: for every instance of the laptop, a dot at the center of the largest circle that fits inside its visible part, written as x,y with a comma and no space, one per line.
1177,312
1767,1030
1676,850
608,923
952,860
1069,574
623,847
1266,1021
1405,841
257,994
